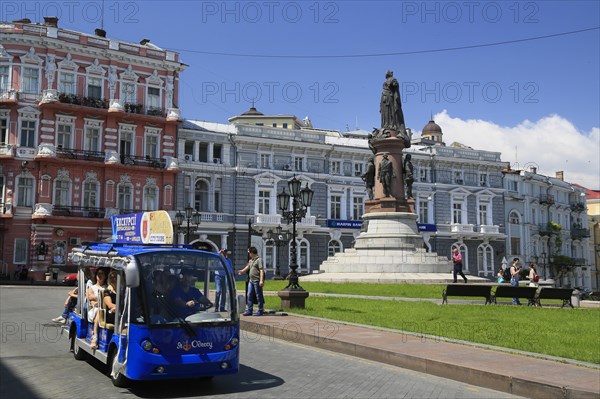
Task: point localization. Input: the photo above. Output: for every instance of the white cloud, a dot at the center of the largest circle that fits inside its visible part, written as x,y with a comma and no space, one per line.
551,143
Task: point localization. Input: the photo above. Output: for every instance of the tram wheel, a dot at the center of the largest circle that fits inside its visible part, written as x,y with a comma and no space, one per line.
78,353
118,379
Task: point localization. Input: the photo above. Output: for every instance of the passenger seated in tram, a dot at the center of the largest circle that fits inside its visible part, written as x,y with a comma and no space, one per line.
188,298
93,300
110,298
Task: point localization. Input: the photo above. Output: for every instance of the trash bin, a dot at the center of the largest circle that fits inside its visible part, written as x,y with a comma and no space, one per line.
54,275
48,275
575,298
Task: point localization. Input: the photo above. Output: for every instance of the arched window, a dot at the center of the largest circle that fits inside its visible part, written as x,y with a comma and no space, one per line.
514,218
302,255
201,196
269,256
334,247
485,260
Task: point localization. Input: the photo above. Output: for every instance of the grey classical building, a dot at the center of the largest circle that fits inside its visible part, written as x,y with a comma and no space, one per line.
547,224
233,172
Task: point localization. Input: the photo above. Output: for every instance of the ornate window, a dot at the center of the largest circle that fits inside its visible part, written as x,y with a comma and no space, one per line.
4,79
25,193
3,128
201,196
264,202
90,194
150,197
334,247
21,246
485,259
125,197
31,80
67,83
27,133
94,88
62,192
358,207
64,132
335,207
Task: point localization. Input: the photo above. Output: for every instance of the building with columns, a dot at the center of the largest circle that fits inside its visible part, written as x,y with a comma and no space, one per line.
88,128
547,224
459,200
232,173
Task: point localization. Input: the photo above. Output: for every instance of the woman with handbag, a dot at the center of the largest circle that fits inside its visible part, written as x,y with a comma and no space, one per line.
533,276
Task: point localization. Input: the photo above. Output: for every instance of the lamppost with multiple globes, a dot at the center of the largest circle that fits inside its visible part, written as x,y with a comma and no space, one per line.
278,239
190,216
293,296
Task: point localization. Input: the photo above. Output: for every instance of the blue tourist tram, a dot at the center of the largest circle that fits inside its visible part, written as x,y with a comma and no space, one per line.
153,334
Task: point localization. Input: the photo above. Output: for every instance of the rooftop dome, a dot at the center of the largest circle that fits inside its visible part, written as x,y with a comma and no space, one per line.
252,112
431,128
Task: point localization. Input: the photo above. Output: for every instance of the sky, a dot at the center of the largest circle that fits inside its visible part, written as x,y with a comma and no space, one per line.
520,77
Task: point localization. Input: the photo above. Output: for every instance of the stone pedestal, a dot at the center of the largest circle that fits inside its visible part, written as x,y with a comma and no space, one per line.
391,244
292,298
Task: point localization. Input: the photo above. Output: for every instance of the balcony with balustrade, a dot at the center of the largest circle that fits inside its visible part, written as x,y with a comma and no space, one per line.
547,199
461,228
148,161
489,229
578,233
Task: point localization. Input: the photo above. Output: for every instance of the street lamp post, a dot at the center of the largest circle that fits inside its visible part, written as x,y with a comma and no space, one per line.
279,238
190,216
293,296
544,265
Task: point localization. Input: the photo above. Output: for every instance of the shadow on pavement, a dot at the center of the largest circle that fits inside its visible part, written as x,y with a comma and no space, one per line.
247,380
11,386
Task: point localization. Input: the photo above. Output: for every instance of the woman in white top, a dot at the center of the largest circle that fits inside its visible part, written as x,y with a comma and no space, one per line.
93,296
533,279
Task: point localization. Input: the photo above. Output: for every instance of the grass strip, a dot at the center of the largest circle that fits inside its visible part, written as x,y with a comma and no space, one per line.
569,333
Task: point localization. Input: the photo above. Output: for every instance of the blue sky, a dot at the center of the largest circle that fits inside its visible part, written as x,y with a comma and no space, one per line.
504,85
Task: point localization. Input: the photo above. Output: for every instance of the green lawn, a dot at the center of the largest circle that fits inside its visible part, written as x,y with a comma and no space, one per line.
569,333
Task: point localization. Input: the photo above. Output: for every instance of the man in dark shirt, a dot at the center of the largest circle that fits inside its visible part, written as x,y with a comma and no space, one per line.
187,297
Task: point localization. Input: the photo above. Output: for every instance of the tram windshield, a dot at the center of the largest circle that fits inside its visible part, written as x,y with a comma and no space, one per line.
183,287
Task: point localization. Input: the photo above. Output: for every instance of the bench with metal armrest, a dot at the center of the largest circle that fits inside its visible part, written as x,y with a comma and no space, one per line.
563,294
467,290
503,291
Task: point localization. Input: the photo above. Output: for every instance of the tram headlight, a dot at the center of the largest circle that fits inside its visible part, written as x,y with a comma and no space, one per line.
148,347
232,343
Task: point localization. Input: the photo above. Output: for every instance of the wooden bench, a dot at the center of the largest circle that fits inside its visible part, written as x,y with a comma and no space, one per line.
555,293
467,290
503,291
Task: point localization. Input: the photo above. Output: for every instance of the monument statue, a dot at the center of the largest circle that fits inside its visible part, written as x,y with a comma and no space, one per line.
408,175
391,107
369,177
392,117
386,174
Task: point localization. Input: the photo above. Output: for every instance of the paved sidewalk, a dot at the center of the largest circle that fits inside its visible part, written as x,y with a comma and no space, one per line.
506,372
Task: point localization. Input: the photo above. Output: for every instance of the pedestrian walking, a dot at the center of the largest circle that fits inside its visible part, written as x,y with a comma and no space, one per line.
256,273
533,276
515,269
458,265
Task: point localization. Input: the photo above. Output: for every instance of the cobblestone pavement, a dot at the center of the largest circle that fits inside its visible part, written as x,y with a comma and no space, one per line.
35,363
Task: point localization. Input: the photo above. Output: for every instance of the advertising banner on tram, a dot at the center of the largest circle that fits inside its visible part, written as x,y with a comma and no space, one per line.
153,227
